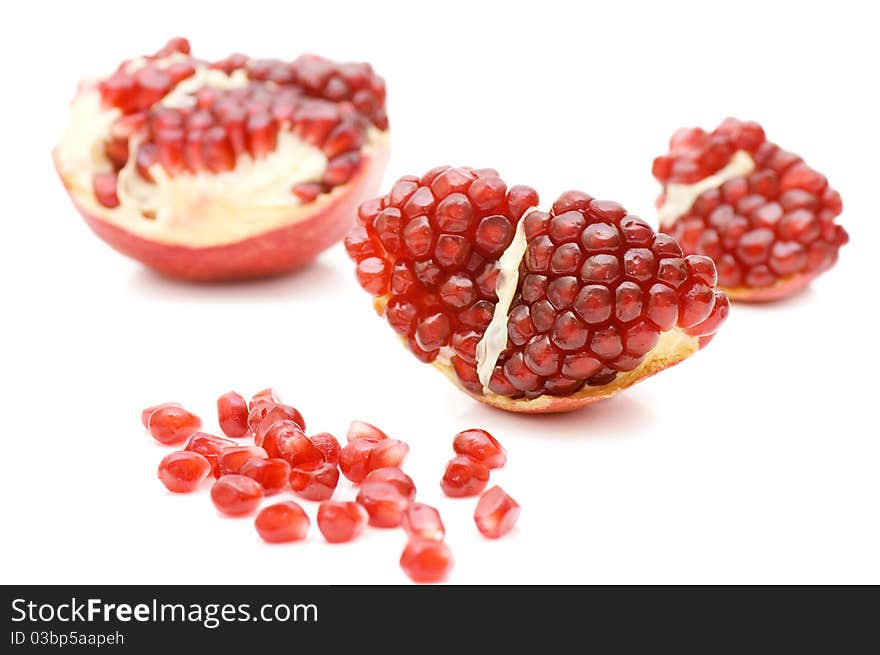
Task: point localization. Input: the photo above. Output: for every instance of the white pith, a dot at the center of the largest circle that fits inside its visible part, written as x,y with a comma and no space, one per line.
678,198
195,210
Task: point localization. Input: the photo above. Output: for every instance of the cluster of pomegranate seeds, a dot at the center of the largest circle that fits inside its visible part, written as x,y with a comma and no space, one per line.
767,226
328,105
596,285
281,458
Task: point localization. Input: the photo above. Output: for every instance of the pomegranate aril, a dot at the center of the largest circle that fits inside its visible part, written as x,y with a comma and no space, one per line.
393,475
390,452
299,451
232,413
354,459
464,476
342,168
262,134
182,471
496,513
236,495
341,521
316,483
231,459
219,155
282,523
328,445
422,521
208,446
146,413
171,424
426,561
278,413
272,474
104,187
384,503
480,445
364,430
278,432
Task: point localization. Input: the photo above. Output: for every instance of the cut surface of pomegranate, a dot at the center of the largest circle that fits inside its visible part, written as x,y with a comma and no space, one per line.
529,310
764,216
229,169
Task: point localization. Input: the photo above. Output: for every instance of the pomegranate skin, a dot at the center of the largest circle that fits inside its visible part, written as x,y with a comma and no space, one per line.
275,252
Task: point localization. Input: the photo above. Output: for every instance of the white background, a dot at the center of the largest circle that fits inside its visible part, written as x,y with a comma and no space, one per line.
755,461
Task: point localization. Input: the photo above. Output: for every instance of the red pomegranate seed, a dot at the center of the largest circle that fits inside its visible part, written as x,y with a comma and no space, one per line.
236,495
181,471
394,476
219,154
230,460
308,191
170,424
104,187
274,414
464,476
232,413
267,396
481,446
299,451
145,414
389,452
354,459
364,430
279,431
328,445
422,521
208,446
340,522
272,474
262,132
426,561
496,513
315,484
282,522
384,503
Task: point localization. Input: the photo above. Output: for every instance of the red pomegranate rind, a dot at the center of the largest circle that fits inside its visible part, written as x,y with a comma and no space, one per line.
282,523
769,228
601,300
426,561
480,445
182,471
315,484
496,513
232,413
422,521
341,521
172,112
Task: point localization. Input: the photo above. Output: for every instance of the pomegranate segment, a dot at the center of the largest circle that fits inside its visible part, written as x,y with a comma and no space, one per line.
166,154
236,495
315,484
464,476
273,474
481,446
181,471
426,561
422,521
171,424
384,503
496,513
529,310
282,522
341,521
759,212
232,412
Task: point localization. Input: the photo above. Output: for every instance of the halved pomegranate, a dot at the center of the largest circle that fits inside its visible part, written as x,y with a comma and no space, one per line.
527,310
761,213
222,170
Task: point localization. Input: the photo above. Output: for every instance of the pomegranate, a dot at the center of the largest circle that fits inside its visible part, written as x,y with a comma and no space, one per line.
528,310
761,213
222,170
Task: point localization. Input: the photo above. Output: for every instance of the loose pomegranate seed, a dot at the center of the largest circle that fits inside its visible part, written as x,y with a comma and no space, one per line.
104,186
145,414
236,495
272,474
274,414
481,446
341,522
279,431
232,412
496,513
422,521
363,430
384,503
230,460
282,522
170,424
354,459
394,476
464,476
390,452
328,445
265,397
209,447
299,451
315,484
181,471
426,561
